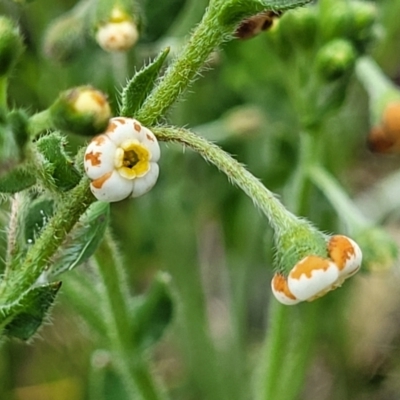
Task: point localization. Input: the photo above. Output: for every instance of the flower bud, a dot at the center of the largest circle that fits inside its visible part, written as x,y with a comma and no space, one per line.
335,59
256,24
11,45
300,26
82,110
364,15
380,251
313,276
118,33
335,19
64,38
385,137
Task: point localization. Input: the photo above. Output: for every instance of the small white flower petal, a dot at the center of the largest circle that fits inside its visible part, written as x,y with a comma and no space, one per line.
312,277
121,129
143,184
150,141
99,157
111,187
346,254
281,291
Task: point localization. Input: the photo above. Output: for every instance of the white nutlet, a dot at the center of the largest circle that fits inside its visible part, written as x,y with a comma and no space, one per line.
313,276
122,161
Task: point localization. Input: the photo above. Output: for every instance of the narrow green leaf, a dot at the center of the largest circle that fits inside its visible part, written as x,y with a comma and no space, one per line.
139,87
83,241
22,318
17,179
234,11
62,170
153,312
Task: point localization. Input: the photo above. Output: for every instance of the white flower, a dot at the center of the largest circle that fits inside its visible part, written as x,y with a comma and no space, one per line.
117,36
122,162
313,276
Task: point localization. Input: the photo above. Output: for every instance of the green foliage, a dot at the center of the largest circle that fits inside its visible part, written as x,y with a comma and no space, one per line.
24,317
57,164
19,178
11,45
152,313
36,217
139,87
83,241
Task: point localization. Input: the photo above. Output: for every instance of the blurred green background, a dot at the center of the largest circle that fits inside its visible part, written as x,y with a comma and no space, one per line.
206,233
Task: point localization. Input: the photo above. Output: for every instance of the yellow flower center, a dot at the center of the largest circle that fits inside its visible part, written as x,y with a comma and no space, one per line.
132,159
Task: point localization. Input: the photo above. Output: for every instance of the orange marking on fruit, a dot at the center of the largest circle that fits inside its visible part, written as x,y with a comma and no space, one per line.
308,265
99,140
340,250
279,283
149,137
137,126
94,158
98,183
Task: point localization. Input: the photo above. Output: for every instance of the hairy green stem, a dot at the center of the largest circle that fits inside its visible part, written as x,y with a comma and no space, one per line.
17,281
208,35
130,365
278,216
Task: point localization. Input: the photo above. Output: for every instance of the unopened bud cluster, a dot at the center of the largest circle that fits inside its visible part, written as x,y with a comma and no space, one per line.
314,276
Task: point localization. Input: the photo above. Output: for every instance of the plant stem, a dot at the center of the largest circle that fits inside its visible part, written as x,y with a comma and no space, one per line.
3,93
17,281
372,78
129,364
208,35
343,205
265,200
274,349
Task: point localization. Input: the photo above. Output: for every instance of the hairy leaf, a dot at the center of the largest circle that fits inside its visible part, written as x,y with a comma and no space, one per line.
17,179
83,241
140,86
62,170
22,318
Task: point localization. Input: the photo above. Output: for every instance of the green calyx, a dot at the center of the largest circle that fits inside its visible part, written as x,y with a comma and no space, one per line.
297,242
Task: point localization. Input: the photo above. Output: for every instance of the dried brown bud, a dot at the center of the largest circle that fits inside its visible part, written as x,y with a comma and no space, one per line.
386,137
256,24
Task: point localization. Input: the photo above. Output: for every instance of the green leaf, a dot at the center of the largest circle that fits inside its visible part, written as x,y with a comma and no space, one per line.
139,87
22,318
153,312
83,241
59,165
234,11
17,179
37,215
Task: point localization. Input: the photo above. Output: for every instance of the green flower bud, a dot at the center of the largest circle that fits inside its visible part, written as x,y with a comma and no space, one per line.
335,19
379,249
116,25
300,26
364,16
64,38
11,45
82,110
335,59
